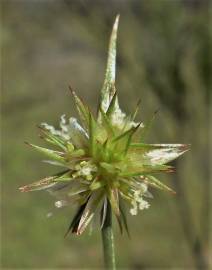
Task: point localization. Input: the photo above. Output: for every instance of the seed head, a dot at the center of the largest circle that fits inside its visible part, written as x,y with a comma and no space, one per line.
103,157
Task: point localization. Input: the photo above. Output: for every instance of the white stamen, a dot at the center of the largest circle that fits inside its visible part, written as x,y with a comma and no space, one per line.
138,201
86,169
143,205
60,204
49,215
133,211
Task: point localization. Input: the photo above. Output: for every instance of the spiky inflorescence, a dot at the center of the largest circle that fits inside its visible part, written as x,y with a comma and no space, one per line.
104,157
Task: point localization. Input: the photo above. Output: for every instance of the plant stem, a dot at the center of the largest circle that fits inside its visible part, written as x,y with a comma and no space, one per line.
108,240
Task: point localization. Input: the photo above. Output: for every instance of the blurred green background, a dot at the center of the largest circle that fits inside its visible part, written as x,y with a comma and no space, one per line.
163,58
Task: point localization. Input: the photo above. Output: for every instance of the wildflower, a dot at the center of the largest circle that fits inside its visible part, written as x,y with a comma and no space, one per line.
104,158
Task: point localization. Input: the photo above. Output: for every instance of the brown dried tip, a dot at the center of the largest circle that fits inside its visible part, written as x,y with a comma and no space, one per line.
185,147
171,170
24,189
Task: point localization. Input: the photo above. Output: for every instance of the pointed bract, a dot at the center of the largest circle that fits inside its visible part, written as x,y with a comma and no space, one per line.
89,211
108,90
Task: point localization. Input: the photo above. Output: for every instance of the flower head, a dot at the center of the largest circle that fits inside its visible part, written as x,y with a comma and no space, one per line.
103,157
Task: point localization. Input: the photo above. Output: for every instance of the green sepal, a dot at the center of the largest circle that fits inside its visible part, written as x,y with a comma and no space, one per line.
82,109
124,216
92,128
106,123
96,184
124,139
64,177
51,138
144,170
55,155
55,163
110,168
70,147
113,197
103,212
78,153
153,181
119,221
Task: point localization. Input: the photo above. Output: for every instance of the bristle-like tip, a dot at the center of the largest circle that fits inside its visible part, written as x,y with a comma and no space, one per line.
156,111
139,124
66,234
185,147
138,103
116,23
71,89
27,143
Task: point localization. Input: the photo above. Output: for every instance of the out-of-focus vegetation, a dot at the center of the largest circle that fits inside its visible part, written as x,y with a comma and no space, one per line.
163,58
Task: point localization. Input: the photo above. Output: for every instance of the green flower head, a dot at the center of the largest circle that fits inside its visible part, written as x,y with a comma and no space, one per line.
104,158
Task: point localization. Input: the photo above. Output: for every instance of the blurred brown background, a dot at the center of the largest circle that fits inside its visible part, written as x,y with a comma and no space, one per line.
163,58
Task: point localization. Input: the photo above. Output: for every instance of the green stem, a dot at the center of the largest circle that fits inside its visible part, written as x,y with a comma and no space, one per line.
108,240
